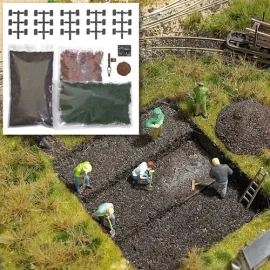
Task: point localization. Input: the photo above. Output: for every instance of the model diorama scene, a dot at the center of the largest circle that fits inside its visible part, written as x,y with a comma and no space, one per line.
191,191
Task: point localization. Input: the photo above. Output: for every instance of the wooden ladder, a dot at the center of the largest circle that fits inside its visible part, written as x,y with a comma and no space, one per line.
254,187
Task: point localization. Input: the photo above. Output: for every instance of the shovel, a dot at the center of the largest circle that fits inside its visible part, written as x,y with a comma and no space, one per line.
112,231
83,183
149,187
151,176
194,183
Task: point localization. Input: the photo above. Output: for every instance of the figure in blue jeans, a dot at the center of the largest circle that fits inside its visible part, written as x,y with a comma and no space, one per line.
141,173
220,173
80,175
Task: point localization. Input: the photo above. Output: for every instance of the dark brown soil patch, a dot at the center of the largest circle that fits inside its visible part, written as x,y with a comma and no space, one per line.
156,228
244,127
110,156
201,222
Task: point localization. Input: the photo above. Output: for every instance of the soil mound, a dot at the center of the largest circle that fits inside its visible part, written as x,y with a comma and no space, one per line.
244,127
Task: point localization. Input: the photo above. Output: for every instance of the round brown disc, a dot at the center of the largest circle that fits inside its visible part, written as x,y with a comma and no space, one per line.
123,68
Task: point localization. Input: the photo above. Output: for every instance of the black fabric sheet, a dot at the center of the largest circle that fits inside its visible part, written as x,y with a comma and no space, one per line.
31,88
95,103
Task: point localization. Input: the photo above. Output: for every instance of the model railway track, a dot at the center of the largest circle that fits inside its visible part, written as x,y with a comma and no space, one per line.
179,9
184,44
180,42
225,52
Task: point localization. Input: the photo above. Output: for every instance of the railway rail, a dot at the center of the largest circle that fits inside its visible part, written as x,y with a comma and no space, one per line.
167,41
185,44
174,11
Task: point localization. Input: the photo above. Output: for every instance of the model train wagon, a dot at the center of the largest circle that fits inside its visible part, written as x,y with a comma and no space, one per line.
256,41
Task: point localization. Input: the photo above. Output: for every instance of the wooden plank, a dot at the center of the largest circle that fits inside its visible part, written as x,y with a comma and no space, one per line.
265,30
250,35
261,22
253,31
260,43
259,38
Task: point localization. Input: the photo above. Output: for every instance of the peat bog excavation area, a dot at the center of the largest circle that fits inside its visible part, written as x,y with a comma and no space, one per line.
155,229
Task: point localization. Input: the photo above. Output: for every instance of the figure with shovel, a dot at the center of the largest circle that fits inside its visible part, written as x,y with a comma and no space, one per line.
106,212
143,174
80,176
220,173
156,123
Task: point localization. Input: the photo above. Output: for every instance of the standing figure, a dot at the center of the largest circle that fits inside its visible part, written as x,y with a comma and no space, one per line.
156,123
45,142
141,173
220,173
106,211
201,92
80,175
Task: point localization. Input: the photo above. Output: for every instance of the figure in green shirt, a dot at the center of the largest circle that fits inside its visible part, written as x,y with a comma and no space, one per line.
156,123
106,212
80,175
201,92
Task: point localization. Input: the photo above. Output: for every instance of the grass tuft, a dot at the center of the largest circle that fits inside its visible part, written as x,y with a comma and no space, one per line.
193,260
236,17
193,21
223,256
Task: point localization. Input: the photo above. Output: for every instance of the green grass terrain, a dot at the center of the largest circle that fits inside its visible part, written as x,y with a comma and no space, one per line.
236,17
42,225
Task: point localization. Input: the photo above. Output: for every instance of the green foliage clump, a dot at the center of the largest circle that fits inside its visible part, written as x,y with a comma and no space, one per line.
236,17
193,21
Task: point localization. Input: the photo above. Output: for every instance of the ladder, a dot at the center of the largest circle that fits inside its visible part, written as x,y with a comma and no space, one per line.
254,187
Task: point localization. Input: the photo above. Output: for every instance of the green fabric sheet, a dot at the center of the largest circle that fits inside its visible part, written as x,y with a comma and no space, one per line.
95,103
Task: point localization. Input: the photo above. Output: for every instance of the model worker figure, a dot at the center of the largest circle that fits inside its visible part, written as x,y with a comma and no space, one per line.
201,92
141,173
156,123
80,175
45,142
220,173
106,211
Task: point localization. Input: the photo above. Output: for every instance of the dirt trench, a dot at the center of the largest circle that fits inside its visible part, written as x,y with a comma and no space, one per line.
156,229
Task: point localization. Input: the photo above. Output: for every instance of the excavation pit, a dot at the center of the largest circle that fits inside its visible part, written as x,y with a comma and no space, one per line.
155,229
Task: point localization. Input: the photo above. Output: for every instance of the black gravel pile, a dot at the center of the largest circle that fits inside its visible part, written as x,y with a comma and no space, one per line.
244,127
